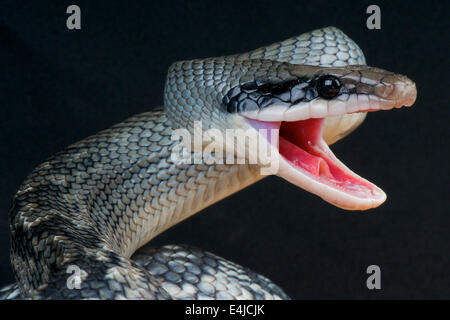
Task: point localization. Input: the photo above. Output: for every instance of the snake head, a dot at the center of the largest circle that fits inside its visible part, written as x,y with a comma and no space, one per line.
316,106
281,96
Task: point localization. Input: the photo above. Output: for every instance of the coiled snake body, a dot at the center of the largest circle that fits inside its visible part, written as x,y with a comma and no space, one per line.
94,204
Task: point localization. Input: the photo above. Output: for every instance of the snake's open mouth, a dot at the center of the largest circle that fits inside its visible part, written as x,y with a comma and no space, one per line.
302,146
307,161
303,155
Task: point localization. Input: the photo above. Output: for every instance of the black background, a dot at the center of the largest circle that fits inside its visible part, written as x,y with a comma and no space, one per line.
59,86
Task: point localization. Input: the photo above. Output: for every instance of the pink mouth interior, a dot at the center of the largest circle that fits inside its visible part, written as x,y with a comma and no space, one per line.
301,143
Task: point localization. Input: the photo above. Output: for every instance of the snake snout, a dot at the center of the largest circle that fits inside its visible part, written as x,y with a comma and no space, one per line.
397,89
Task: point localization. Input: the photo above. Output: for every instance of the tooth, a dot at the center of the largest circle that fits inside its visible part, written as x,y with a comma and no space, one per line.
336,107
319,109
352,104
272,113
297,112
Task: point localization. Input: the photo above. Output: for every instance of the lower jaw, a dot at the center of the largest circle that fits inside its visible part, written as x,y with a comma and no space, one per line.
306,161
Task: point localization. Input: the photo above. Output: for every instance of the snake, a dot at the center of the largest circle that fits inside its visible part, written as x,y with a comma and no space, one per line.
81,222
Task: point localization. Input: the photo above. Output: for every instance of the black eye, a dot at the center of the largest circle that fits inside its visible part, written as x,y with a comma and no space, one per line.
328,87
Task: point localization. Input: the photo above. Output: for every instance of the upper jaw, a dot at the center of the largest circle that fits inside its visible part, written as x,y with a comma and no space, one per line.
366,91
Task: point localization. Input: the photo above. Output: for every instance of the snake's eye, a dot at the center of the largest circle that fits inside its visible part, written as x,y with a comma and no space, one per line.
328,87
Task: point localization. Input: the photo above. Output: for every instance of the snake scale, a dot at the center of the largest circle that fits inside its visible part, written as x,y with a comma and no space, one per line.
95,205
